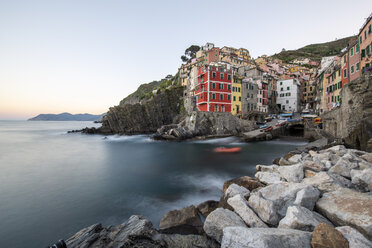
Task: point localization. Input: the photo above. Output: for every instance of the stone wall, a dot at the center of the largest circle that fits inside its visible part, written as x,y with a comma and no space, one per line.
352,121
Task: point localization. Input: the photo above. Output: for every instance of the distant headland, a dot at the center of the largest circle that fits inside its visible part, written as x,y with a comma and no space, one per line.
66,117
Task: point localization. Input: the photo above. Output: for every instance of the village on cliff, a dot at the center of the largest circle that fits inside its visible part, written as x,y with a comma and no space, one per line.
228,80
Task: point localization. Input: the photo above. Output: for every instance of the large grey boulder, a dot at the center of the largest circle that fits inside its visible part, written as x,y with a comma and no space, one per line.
292,173
362,179
313,165
307,197
205,208
184,221
271,202
348,207
136,232
218,220
269,177
240,237
323,181
245,181
267,168
355,238
188,241
339,150
295,159
240,206
234,190
343,167
301,218
367,157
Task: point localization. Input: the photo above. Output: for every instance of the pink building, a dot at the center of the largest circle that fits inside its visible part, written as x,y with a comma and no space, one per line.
354,60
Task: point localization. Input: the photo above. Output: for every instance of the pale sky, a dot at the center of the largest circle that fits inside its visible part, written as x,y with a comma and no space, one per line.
83,56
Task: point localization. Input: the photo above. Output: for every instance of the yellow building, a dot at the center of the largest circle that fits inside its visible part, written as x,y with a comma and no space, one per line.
334,88
294,69
260,61
237,95
243,53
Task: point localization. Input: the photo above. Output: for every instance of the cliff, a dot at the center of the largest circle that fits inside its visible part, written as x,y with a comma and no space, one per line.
352,121
163,108
66,117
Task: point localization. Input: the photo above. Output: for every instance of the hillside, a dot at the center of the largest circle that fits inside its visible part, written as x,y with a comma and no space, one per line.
315,51
66,117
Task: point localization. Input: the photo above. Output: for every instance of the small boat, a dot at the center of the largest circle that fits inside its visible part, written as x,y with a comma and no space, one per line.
227,149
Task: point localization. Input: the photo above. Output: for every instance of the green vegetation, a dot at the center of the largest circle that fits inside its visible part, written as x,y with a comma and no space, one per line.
315,51
190,53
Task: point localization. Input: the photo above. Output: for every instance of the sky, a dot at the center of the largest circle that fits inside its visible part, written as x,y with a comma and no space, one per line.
83,56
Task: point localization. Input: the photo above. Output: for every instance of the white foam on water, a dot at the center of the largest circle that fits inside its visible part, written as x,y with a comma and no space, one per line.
129,138
227,140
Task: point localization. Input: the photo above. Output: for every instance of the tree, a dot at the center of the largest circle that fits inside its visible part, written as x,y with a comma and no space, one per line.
190,53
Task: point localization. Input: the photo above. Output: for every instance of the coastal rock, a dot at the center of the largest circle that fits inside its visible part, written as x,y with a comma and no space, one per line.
325,236
271,202
267,168
309,173
245,181
283,162
339,150
188,241
301,218
314,166
343,167
184,221
136,232
364,165
367,157
240,206
240,237
323,181
269,177
307,197
348,207
234,190
355,238
205,208
218,220
295,159
292,173
362,179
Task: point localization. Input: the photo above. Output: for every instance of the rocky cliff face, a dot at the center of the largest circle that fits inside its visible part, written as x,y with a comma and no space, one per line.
352,121
163,109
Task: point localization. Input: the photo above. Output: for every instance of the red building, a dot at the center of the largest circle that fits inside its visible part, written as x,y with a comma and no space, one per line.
213,89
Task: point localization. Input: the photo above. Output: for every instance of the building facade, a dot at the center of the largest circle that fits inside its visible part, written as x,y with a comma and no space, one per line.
289,94
365,42
237,95
354,60
213,89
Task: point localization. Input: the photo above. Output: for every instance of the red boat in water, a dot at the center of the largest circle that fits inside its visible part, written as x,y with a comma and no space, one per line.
227,149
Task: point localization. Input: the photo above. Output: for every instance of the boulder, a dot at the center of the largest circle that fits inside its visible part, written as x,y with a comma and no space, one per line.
283,162
234,190
271,202
367,157
245,181
240,206
292,173
355,238
362,179
346,207
240,237
339,150
323,181
218,220
307,197
205,208
184,221
188,241
136,232
295,159
325,236
364,165
267,168
313,165
269,177
301,218
343,167
309,173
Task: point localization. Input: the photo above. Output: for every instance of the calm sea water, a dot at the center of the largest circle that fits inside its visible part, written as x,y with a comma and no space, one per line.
52,184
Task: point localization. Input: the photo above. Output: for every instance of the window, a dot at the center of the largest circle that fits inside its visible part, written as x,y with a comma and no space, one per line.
220,86
228,87
213,85
234,98
201,96
216,108
345,59
221,70
367,50
281,89
365,34
360,39
239,89
358,66
352,52
240,98
221,75
311,88
213,96
363,53
260,100
352,69
213,74
229,77
357,48
288,88
345,73
287,101
228,97
221,96
281,83
339,72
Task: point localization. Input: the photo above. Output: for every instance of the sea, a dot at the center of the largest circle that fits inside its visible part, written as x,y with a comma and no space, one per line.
54,183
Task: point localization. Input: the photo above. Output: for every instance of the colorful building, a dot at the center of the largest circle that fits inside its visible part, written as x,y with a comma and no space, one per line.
237,95
354,60
344,67
249,95
213,89
334,87
365,42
